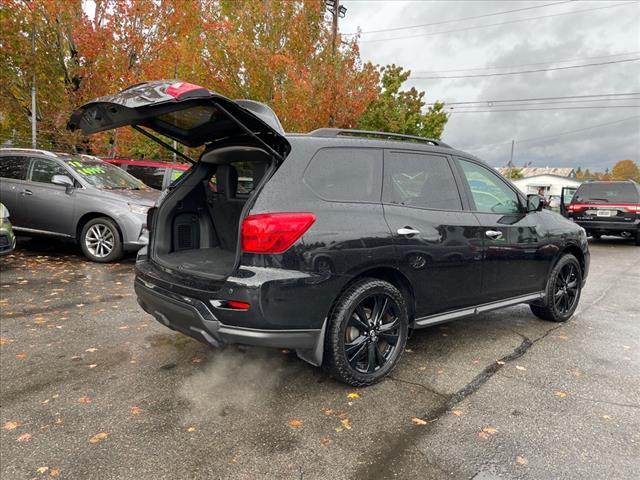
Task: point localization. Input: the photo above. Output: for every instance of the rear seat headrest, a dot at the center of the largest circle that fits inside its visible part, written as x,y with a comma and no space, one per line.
227,180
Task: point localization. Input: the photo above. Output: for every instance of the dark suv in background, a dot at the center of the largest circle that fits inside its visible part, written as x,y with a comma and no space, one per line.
346,241
607,208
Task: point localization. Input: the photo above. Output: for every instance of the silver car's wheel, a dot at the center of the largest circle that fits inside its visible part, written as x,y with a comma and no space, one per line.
100,240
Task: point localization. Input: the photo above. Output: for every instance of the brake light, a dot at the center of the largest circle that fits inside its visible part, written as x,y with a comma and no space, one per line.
633,208
573,207
178,89
274,232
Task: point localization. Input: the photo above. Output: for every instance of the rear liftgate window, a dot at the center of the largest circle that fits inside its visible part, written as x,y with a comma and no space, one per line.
346,174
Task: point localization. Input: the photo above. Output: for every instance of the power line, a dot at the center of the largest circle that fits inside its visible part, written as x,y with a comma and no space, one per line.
428,34
541,98
540,109
504,12
569,132
465,108
526,71
524,64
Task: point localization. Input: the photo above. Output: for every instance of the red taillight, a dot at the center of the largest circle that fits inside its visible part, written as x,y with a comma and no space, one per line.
236,305
178,89
274,232
633,208
573,207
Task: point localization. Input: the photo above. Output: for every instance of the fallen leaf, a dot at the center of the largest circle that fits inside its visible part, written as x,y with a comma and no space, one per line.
196,360
560,394
626,347
4,341
21,356
483,435
325,440
346,423
10,425
561,337
25,437
490,430
295,423
408,350
606,417
42,469
135,411
457,413
518,367
93,365
521,460
80,305
191,429
98,437
338,429
418,421
85,399
91,350
54,472
327,411
352,396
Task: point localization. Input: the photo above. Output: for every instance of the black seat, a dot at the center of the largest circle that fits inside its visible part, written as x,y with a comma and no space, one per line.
226,207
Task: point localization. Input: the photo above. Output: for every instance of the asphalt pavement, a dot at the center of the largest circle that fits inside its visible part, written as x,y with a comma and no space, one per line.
91,387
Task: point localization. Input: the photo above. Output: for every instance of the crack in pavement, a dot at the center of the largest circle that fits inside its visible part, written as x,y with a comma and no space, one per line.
381,467
429,389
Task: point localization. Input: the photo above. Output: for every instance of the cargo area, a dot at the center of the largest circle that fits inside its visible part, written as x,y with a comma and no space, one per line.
196,228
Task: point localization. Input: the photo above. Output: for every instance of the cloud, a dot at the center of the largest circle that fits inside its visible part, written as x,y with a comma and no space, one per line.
593,33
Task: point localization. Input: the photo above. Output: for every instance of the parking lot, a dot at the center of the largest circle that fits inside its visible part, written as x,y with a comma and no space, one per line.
92,387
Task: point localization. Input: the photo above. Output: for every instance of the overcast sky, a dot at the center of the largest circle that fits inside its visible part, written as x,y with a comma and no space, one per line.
594,36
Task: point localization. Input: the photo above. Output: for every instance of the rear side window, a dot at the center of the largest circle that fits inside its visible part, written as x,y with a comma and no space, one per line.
346,174
607,193
420,180
43,170
12,167
150,176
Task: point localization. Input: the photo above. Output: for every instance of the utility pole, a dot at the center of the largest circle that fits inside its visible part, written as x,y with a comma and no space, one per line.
337,11
34,141
511,157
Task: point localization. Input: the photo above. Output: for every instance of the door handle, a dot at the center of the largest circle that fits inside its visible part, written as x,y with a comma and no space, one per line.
26,192
408,231
494,234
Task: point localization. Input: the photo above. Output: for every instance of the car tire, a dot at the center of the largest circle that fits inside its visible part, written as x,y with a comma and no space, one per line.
638,238
362,351
563,290
100,240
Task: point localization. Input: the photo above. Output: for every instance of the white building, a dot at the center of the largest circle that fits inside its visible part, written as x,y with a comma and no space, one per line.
552,185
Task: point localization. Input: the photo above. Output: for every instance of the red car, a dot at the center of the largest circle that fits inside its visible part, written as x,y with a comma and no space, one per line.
158,175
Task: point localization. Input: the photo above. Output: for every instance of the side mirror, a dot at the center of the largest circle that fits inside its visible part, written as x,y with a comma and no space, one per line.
62,180
534,203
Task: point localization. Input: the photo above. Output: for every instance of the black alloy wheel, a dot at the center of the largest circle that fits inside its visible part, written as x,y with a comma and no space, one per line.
563,291
367,332
566,288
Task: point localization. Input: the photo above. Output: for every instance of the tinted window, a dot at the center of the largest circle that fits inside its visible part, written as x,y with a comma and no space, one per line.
420,180
346,174
490,193
607,192
43,170
12,167
151,176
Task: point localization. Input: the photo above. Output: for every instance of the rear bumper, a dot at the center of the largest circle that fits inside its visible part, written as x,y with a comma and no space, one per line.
195,318
604,227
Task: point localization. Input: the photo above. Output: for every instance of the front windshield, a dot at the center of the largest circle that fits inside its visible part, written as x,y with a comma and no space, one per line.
104,175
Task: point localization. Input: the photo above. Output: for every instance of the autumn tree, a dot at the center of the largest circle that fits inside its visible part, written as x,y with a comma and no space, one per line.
513,173
626,170
401,111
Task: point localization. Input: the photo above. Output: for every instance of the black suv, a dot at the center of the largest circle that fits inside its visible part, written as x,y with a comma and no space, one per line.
607,208
347,241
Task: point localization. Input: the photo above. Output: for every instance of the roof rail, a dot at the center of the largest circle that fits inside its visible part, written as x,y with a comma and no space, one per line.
338,132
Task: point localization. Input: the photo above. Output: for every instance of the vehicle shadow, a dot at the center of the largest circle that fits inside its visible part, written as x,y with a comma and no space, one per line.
57,248
608,240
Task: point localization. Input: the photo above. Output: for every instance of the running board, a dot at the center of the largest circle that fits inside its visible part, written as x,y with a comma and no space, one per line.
40,232
465,312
